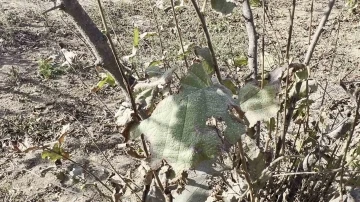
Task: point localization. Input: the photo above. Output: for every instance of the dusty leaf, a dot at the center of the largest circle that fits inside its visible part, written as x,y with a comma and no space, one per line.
154,71
301,92
223,6
147,35
269,60
124,114
255,157
258,104
177,129
164,79
196,189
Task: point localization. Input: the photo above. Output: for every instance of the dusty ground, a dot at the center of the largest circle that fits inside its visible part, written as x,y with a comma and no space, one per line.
33,109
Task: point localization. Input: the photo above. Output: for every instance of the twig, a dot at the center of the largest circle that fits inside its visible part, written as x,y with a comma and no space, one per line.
144,145
335,46
307,100
311,18
122,73
102,153
318,33
292,14
263,47
208,40
203,6
250,28
253,194
76,163
158,30
314,173
179,33
348,144
282,151
101,193
53,8
278,47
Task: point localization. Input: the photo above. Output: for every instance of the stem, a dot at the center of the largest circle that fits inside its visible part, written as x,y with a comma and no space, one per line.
282,151
179,33
263,48
76,163
311,18
348,144
208,40
126,82
246,172
292,14
158,30
318,33
250,28
307,100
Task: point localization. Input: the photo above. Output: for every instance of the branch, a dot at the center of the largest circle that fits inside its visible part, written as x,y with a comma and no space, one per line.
208,40
94,37
318,33
292,14
250,28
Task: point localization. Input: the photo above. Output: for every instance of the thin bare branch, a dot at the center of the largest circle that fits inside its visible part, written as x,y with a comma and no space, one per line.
350,138
117,61
292,14
179,33
208,40
318,32
250,28
311,19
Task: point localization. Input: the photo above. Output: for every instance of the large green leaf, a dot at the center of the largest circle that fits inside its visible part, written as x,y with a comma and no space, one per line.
223,6
178,129
258,104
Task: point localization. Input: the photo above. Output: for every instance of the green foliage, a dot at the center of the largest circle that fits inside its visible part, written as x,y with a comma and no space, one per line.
178,130
56,153
136,42
240,61
48,70
255,3
106,78
230,85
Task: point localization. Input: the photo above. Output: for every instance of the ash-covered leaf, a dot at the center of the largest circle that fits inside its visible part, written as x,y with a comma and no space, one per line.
147,35
302,91
124,114
258,104
223,6
177,129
